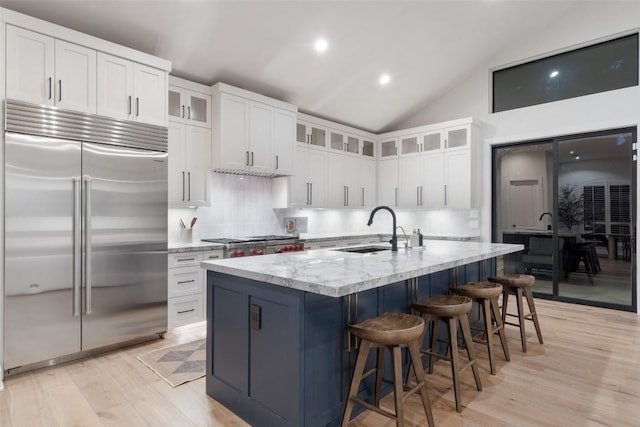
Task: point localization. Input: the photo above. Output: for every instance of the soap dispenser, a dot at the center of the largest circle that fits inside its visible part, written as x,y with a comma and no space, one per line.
420,238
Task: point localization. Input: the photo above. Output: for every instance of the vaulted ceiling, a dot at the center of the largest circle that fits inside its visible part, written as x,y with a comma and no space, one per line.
427,47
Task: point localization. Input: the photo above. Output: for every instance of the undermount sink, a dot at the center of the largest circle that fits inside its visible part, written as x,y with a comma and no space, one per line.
363,250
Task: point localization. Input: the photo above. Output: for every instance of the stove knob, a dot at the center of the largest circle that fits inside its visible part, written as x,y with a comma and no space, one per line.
261,252
286,249
292,248
241,253
279,250
254,252
300,247
234,254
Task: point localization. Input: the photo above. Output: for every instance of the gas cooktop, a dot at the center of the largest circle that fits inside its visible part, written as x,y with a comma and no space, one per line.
251,239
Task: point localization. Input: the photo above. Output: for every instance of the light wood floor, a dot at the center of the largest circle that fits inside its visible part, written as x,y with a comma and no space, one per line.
586,374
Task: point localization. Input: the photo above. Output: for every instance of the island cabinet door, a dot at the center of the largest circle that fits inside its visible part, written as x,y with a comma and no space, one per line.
253,350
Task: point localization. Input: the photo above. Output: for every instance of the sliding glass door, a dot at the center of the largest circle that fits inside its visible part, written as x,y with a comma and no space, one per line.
571,202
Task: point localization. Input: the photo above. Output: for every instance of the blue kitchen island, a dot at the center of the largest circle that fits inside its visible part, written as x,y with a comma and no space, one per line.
278,351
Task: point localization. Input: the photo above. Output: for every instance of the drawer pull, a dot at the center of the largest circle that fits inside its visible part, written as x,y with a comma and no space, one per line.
186,259
186,311
186,281
214,256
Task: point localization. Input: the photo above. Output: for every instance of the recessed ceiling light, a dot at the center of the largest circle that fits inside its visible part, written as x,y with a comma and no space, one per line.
577,157
571,152
321,45
384,79
554,73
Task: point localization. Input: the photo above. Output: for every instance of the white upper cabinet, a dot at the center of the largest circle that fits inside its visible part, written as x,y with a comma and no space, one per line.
131,91
46,70
311,134
43,70
189,153
75,77
186,105
387,186
438,166
282,147
115,87
150,95
307,186
252,134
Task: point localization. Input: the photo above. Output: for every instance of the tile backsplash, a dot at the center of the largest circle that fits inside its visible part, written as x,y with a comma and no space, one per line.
242,206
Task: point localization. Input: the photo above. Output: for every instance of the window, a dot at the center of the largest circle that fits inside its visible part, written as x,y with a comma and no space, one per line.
616,213
597,68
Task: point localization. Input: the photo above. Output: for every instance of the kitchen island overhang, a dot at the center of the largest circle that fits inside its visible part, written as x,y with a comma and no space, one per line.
277,348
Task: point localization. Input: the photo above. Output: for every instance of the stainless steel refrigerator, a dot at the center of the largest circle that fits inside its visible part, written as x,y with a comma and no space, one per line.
85,260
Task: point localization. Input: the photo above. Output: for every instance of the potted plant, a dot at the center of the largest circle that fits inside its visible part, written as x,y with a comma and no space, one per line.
570,207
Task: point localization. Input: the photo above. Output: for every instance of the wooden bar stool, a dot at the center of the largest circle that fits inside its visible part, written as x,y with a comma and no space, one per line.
520,284
392,331
453,310
486,295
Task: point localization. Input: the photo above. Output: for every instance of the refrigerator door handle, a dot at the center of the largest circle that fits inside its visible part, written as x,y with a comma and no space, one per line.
77,247
87,243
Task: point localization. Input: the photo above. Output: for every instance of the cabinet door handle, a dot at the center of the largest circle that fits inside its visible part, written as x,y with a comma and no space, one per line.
183,111
189,185
183,186
418,195
445,194
252,158
137,107
311,193
277,163
213,256
189,113
247,159
186,259
185,281
187,311
60,90
129,107
50,88
421,194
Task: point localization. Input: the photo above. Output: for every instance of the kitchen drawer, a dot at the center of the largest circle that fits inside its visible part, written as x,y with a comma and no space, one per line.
184,259
185,281
185,310
215,254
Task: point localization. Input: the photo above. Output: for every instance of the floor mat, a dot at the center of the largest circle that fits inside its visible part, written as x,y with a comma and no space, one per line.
179,364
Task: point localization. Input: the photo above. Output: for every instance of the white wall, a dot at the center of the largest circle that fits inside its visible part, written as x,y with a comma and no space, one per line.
586,22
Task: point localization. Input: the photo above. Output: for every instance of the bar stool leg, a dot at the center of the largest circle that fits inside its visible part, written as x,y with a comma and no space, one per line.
466,334
414,351
505,301
379,374
452,324
500,325
486,311
534,314
523,336
434,342
363,353
397,385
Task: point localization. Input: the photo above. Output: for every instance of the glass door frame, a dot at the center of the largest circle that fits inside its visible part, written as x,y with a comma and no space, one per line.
555,141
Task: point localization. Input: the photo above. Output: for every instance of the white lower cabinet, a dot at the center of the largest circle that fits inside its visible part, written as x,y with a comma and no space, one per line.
187,287
185,310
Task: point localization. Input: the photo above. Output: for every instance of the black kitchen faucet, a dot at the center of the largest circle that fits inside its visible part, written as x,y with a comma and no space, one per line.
394,236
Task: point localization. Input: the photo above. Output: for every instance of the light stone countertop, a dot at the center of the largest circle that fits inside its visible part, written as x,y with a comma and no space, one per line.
193,246
336,274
